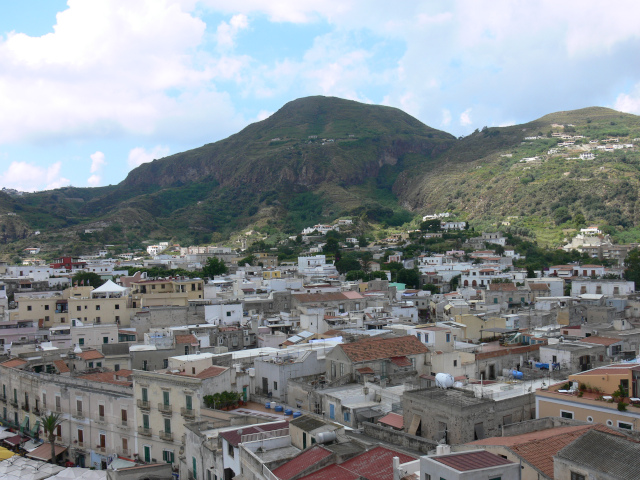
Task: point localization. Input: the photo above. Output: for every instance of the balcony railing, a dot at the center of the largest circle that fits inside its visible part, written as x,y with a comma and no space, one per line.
188,412
36,411
79,444
3,398
79,414
14,403
58,409
100,449
168,436
164,408
101,419
144,431
25,407
124,423
125,452
144,405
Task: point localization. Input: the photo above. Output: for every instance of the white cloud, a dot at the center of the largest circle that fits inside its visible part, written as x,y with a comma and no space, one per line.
97,162
465,118
140,155
30,177
94,180
263,115
226,32
629,103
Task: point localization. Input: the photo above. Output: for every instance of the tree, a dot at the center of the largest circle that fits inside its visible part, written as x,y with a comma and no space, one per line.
348,264
362,241
87,279
49,426
499,250
430,226
214,267
632,262
332,246
247,260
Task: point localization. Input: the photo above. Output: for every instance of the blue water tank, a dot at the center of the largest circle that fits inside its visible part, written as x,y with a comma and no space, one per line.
288,411
278,408
296,414
267,405
517,375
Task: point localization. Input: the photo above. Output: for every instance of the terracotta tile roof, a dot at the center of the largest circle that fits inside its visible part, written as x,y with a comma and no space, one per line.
90,355
542,287
302,462
401,361
376,464
377,349
502,287
601,340
393,419
14,362
61,366
467,461
538,448
186,339
365,370
114,378
234,436
211,372
332,472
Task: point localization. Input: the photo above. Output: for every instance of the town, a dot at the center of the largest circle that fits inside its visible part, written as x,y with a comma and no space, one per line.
368,359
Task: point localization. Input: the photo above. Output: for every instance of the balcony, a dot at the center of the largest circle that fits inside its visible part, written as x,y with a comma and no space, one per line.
79,444
144,431
124,423
125,452
144,405
101,419
164,408
168,436
3,398
13,403
101,450
188,412
79,414
58,409
37,411
25,407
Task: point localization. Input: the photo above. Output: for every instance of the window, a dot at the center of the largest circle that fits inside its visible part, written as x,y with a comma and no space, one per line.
78,308
165,398
275,385
347,417
101,411
46,307
165,363
147,453
80,436
79,406
145,394
81,341
97,307
145,421
448,337
625,425
455,363
495,300
46,318
103,440
590,419
427,476
167,425
123,416
229,450
167,456
189,402
117,306
565,414
28,308
116,367
577,476
228,314
105,339
90,364
97,319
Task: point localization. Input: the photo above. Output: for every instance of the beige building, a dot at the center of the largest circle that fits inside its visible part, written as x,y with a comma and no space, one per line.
166,292
476,325
97,409
593,398
167,399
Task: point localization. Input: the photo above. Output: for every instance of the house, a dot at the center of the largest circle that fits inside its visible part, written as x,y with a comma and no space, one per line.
468,465
389,358
593,400
608,287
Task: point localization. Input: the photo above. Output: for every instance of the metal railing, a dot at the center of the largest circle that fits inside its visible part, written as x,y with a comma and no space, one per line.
144,431
25,407
144,405
168,436
188,412
164,408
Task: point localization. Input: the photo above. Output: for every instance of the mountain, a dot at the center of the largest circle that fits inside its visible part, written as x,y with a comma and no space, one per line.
312,160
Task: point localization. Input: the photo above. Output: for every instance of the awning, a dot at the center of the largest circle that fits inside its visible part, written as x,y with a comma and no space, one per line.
369,413
365,370
43,452
401,361
4,453
15,440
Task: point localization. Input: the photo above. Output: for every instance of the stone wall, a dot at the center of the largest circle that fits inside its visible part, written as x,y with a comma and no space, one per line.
395,437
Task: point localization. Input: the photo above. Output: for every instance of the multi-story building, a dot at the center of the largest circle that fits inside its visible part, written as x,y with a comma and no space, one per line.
97,409
167,399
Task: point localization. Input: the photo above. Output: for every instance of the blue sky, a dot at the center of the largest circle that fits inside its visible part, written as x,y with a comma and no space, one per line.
90,90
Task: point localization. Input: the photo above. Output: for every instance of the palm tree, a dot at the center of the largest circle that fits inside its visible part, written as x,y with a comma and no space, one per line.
50,425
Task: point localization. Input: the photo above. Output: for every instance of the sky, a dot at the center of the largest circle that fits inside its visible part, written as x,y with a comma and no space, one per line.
91,89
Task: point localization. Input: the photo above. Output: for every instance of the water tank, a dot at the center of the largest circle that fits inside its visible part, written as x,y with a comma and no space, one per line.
325,437
444,380
288,411
252,372
296,414
517,375
267,405
443,449
278,408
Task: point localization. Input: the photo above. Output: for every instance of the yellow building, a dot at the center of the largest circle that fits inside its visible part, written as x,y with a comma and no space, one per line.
166,292
593,400
477,325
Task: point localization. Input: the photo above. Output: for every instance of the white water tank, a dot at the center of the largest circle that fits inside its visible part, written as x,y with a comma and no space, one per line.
252,372
325,437
443,449
444,380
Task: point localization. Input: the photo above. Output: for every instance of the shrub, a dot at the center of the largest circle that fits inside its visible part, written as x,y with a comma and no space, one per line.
622,406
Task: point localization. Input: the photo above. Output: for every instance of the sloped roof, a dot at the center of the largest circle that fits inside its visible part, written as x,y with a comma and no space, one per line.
114,378
302,462
61,366
186,339
381,348
14,362
613,455
502,287
606,341
466,461
376,464
90,355
326,297
542,287
393,419
210,372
